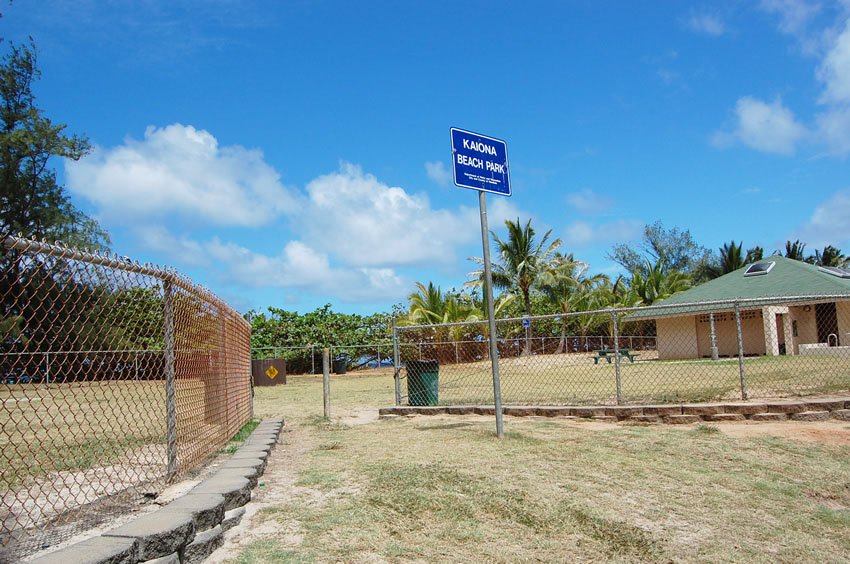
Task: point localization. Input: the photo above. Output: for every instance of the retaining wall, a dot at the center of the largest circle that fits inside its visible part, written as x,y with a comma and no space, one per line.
800,410
190,528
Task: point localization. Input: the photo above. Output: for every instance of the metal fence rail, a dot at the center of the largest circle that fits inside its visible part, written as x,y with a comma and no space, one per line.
115,378
768,348
307,359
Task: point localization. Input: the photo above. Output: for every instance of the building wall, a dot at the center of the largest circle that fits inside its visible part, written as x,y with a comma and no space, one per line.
690,337
676,337
807,329
724,326
774,328
843,311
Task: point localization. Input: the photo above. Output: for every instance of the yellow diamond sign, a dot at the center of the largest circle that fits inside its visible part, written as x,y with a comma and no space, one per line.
271,372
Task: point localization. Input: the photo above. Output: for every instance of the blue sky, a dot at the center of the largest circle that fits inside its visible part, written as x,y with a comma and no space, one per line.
297,153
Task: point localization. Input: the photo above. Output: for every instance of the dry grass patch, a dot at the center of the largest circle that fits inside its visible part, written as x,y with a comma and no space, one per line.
574,379
434,488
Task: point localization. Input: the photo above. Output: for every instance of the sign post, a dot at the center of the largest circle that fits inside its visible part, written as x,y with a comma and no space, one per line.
481,163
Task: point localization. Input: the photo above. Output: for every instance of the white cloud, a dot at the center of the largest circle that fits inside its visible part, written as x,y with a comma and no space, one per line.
767,127
707,23
499,210
829,224
583,234
347,231
834,70
834,130
300,266
297,266
362,221
794,15
183,250
181,170
437,172
588,201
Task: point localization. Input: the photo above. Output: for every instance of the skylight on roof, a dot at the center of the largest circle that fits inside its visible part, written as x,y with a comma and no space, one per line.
759,268
835,271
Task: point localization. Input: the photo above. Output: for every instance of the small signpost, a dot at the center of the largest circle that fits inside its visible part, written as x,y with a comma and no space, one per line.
526,323
480,163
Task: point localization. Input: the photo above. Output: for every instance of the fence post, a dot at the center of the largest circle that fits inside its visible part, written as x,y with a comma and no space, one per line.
396,364
714,354
312,359
326,382
617,356
170,391
741,368
47,367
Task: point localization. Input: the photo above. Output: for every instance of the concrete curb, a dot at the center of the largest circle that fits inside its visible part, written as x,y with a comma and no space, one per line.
232,518
203,545
96,550
207,510
814,409
189,528
159,533
235,489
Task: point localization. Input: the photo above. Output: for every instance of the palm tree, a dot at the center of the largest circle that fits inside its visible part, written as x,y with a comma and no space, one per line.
591,298
731,259
564,284
427,306
795,250
658,283
830,256
754,255
520,264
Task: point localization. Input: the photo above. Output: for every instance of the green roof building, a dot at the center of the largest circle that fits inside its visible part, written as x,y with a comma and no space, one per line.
787,307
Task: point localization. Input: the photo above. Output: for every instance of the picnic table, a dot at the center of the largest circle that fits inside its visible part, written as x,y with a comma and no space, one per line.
609,354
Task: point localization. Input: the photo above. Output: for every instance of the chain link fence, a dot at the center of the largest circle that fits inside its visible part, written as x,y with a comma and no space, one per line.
115,378
699,352
307,359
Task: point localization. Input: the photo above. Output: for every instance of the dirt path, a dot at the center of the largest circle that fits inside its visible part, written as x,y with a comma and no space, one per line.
277,486
279,480
824,432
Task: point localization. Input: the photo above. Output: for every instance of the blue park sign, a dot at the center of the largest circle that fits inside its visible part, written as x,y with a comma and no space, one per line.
480,162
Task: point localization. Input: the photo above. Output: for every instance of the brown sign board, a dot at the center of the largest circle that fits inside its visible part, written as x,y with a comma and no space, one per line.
268,372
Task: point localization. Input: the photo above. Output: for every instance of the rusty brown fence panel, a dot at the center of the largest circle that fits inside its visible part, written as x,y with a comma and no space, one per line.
115,379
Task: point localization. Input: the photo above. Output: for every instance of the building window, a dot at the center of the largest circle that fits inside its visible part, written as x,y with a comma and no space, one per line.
760,268
718,317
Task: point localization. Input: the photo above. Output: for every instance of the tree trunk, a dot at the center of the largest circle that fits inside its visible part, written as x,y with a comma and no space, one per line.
527,350
562,344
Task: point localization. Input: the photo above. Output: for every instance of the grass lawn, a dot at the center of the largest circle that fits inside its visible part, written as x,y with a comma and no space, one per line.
74,427
574,379
444,489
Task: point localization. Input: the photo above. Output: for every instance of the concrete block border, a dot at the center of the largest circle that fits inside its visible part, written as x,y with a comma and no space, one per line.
813,409
189,528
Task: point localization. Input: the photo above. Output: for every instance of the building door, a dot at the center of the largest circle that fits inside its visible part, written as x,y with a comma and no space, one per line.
827,322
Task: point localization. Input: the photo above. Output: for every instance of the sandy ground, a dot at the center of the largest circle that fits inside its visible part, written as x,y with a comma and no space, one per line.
277,485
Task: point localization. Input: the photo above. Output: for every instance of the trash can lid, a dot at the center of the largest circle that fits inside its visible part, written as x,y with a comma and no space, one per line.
425,364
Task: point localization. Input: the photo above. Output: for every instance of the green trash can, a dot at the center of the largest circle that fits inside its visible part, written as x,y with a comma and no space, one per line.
422,382
340,365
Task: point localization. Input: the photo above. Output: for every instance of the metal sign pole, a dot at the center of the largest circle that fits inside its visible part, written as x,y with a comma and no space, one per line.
491,316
